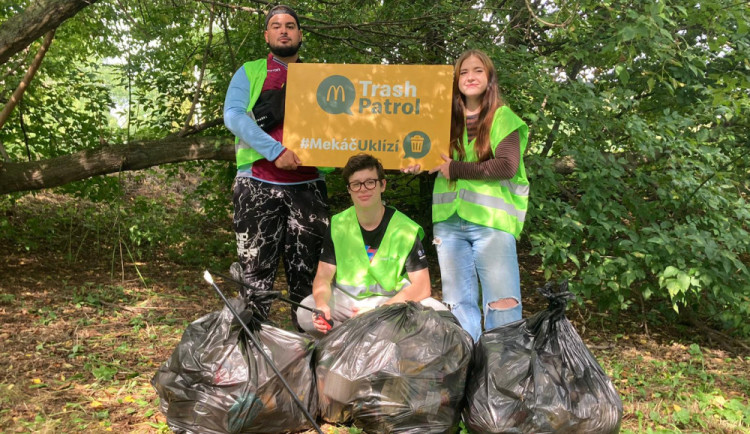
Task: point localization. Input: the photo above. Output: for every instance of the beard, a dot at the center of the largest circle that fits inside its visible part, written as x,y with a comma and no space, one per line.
284,51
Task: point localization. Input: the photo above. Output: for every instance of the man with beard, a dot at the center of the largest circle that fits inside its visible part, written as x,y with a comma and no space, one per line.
280,208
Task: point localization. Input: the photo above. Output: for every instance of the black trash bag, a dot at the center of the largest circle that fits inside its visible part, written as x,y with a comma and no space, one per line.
216,381
537,376
399,368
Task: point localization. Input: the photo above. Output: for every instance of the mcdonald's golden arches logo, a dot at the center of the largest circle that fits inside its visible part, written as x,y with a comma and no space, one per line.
336,95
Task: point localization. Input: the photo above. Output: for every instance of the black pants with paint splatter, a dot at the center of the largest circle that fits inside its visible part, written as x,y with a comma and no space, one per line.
280,221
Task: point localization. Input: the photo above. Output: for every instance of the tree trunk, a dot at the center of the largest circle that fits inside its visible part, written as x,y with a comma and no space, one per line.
19,31
54,172
58,171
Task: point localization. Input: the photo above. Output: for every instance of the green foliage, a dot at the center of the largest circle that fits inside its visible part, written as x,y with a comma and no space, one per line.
645,102
46,316
165,218
656,207
104,372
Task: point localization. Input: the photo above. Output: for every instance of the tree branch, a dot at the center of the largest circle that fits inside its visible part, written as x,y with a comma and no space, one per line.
195,129
23,130
551,137
547,23
19,31
571,73
59,171
16,97
239,8
228,41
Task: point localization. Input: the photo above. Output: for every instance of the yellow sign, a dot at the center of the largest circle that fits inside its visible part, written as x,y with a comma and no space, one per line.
398,113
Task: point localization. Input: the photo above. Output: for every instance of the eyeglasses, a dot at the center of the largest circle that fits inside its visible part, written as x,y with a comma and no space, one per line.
369,184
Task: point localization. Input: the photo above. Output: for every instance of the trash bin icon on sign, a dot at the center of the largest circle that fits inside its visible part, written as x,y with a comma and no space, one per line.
416,144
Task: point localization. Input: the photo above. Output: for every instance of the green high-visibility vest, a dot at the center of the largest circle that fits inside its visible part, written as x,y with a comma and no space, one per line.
256,71
499,204
355,273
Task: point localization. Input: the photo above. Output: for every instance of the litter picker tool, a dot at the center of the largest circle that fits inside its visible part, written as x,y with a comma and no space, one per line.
207,276
276,294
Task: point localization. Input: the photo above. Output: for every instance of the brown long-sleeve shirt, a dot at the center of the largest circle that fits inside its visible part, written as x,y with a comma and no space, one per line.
503,166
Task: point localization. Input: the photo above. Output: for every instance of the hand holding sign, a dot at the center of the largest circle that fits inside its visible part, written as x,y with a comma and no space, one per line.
288,160
414,169
444,168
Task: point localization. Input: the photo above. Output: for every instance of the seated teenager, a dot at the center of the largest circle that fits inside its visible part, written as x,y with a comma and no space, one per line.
372,255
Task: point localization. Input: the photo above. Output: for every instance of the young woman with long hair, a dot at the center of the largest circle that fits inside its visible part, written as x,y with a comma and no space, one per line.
480,199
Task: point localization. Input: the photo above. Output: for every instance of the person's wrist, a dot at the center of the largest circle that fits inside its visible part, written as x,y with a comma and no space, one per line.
283,151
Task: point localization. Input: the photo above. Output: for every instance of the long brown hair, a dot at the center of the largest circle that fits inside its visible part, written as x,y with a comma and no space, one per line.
491,100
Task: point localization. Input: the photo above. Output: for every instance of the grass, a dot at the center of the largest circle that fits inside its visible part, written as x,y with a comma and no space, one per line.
81,342
691,393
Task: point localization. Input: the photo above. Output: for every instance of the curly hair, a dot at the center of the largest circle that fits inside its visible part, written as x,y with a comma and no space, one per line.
361,162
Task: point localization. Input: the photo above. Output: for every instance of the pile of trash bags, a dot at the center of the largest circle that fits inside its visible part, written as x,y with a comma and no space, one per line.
216,381
536,375
398,368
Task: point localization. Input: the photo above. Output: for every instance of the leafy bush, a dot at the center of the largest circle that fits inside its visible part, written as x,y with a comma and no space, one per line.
669,225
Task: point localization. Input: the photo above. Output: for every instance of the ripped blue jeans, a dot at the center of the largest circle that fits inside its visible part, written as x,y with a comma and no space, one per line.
467,251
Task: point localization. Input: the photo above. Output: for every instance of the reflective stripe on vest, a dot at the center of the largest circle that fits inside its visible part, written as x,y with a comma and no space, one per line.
355,273
515,189
482,200
362,292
